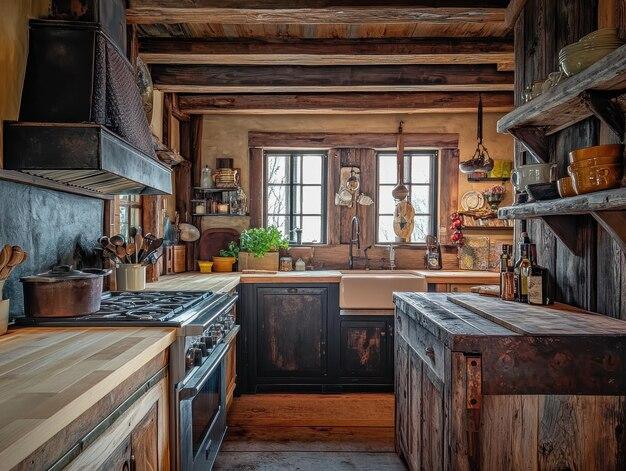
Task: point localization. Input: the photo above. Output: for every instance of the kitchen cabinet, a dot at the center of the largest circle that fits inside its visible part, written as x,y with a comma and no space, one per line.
294,339
366,350
496,391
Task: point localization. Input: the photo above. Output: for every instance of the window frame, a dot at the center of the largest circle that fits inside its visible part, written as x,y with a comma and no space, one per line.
433,194
121,202
292,187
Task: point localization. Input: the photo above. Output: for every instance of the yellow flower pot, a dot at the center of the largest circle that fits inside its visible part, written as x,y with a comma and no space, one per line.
205,266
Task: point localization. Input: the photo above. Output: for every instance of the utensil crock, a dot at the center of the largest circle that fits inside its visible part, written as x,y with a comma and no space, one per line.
130,277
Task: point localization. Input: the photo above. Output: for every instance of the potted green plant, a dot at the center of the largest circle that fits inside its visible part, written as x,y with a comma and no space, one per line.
259,248
227,258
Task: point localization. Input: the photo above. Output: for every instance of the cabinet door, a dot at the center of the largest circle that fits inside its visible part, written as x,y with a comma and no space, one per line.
144,442
119,460
364,351
291,332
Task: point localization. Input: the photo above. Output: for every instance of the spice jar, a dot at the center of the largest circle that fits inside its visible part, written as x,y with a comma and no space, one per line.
286,264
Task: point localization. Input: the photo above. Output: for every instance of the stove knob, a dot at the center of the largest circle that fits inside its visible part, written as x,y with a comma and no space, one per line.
197,356
189,359
208,341
202,347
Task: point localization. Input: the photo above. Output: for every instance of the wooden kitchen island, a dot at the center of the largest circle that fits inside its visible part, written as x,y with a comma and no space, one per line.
89,398
487,384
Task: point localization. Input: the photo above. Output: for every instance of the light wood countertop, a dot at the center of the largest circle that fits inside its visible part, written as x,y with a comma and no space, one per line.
224,282
51,376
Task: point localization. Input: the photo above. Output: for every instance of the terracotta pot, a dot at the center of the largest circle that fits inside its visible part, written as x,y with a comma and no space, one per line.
223,264
609,153
589,179
565,187
269,261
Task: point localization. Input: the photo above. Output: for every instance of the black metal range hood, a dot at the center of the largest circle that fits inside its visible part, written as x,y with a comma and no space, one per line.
85,156
81,120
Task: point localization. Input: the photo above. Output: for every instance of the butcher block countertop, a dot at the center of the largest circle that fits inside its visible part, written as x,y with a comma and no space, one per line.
224,282
51,376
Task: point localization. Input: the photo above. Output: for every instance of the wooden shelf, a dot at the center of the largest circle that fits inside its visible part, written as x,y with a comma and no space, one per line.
221,215
214,190
487,179
597,91
606,207
488,228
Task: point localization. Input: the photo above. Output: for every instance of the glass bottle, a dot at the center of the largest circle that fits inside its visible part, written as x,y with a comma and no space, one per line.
521,288
206,179
505,258
526,267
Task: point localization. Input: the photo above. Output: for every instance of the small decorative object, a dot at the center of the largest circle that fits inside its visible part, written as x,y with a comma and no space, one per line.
349,185
480,161
400,192
286,264
206,179
494,196
456,226
404,220
223,208
241,202
226,178
472,201
364,200
474,254
300,265
205,266
533,90
188,232
200,208
433,253
581,55
530,174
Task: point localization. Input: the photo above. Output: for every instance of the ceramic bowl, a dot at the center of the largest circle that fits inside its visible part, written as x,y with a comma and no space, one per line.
575,62
543,191
588,179
609,151
205,266
597,162
601,34
565,187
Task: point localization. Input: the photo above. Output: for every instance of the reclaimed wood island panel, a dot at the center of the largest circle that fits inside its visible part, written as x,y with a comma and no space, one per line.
487,384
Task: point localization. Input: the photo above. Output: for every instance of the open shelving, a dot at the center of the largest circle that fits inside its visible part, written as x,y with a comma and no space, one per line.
598,90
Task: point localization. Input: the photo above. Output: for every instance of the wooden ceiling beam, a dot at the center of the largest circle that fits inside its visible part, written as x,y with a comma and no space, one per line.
314,11
326,52
322,103
341,78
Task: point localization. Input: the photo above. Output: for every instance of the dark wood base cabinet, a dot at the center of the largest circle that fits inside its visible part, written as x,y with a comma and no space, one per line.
294,339
474,394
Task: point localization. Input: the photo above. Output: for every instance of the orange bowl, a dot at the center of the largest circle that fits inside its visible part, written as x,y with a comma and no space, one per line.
597,161
589,179
608,150
565,187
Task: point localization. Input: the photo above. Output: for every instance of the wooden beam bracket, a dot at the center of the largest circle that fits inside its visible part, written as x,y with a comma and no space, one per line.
613,222
565,228
604,107
535,140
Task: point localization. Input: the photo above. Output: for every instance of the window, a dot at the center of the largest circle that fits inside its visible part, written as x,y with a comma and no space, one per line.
420,176
129,213
295,194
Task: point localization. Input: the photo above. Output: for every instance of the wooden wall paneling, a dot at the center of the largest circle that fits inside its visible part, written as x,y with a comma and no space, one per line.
282,140
183,185
348,158
333,212
257,180
367,214
448,191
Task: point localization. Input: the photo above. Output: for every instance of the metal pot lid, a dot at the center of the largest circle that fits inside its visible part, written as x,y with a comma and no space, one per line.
63,273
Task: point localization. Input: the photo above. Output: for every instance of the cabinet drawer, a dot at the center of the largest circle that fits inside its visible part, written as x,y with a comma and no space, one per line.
426,345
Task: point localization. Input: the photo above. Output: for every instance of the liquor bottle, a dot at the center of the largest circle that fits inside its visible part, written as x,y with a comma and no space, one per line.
505,259
538,282
521,271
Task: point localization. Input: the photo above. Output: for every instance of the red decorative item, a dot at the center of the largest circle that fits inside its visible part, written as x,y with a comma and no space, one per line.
457,225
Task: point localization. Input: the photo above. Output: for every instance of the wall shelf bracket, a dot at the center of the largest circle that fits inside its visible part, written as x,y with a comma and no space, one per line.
565,228
604,107
614,222
535,140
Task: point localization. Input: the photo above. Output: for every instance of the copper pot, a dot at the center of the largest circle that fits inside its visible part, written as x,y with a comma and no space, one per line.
63,292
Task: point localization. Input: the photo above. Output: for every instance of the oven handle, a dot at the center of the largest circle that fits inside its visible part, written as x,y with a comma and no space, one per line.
201,323
197,380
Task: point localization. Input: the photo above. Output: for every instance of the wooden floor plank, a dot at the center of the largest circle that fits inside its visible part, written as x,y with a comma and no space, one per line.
310,439
316,410
301,461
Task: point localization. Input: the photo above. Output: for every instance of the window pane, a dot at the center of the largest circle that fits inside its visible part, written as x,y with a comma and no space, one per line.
297,197
387,168
420,198
135,217
386,203
420,169
312,169
278,169
385,229
422,228
297,168
281,222
277,199
311,229
311,199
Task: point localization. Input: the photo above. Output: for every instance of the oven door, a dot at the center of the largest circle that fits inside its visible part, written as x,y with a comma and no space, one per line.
202,413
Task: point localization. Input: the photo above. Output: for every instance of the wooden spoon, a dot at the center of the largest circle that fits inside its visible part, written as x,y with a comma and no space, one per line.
130,251
5,255
17,257
120,251
117,240
138,245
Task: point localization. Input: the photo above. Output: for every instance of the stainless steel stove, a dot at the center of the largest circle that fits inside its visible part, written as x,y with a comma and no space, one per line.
206,325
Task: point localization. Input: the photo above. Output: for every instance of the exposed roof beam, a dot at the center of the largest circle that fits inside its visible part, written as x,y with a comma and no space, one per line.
326,52
313,11
317,103
340,78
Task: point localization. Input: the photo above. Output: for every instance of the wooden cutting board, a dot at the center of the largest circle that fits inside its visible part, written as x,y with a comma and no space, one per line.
526,319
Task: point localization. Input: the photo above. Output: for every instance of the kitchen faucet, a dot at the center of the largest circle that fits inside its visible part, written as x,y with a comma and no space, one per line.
355,235
392,257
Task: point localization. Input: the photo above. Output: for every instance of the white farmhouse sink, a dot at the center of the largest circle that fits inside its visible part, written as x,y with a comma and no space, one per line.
374,289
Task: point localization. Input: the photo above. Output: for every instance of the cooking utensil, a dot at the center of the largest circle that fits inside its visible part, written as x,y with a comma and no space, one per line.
5,255
63,292
14,256
138,245
121,253
117,240
130,251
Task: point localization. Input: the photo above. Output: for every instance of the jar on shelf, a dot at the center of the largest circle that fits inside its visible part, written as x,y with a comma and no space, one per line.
206,179
200,208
